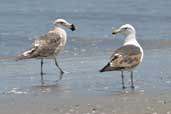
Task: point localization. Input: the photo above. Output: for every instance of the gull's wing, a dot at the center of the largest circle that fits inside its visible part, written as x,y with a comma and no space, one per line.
44,46
125,57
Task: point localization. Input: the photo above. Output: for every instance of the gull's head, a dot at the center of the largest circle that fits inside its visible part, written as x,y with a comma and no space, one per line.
64,24
124,29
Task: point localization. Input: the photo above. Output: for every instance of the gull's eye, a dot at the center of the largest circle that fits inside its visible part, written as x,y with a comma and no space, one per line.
62,23
126,28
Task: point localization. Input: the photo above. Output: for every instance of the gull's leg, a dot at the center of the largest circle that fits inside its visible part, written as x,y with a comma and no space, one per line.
61,71
122,75
41,72
132,81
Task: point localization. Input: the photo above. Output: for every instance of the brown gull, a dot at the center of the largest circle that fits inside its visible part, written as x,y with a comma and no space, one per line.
127,57
49,45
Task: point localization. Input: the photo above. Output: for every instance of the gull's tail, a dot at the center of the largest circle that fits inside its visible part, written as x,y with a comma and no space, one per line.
21,57
7,58
109,68
16,58
106,68
26,54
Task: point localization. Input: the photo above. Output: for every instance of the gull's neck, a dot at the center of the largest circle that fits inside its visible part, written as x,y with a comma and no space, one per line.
59,31
131,39
58,28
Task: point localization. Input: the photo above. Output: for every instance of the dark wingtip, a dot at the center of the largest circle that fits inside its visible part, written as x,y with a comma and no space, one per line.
102,70
105,68
21,57
17,58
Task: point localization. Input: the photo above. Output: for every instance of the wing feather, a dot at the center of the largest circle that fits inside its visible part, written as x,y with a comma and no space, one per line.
44,46
126,57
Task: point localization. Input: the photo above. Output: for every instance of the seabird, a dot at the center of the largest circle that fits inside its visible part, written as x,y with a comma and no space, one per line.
127,57
49,45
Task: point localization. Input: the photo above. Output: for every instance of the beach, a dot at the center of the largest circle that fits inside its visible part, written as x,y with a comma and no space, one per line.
83,89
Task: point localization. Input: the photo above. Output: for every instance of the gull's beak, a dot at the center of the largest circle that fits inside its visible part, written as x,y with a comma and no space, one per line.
115,31
73,27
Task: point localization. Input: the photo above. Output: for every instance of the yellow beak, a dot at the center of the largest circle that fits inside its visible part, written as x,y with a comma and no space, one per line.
115,31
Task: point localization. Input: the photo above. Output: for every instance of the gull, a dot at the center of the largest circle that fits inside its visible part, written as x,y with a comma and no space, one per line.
49,45
127,57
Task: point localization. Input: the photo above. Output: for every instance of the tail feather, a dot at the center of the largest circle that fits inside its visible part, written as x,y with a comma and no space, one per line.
26,54
106,68
21,57
109,68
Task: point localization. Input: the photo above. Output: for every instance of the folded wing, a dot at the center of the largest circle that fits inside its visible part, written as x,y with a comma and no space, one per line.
45,46
126,57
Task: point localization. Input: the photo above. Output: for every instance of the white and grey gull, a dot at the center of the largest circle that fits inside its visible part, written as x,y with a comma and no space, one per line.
127,57
49,45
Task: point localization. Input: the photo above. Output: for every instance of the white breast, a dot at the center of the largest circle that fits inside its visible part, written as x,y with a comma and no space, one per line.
63,37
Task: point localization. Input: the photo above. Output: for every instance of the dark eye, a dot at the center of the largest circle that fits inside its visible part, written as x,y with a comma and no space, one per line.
62,22
126,28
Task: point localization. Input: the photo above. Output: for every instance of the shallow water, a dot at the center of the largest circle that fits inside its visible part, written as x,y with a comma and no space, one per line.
84,90
83,63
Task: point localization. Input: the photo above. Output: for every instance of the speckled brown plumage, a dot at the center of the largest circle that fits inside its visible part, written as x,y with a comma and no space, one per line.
124,58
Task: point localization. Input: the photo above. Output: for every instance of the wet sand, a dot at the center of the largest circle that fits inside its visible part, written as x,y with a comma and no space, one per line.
128,102
83,89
